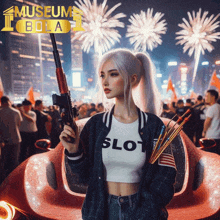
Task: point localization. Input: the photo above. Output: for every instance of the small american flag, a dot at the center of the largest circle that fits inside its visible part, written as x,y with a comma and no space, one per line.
167,158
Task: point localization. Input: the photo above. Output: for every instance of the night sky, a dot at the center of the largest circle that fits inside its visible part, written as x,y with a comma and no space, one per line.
174,11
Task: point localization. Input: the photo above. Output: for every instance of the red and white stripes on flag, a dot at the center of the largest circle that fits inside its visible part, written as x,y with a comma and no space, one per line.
167,159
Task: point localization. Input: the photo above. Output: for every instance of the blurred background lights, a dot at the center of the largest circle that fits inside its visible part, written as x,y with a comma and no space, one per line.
173,63
159,75
205,63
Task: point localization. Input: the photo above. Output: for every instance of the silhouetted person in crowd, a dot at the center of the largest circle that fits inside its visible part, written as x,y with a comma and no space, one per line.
18,106
167,113
180,110
10,121
173,107
189,127
212,122
199,110
82,111
42,118
28,130
100,107
91,110
56,127
189,103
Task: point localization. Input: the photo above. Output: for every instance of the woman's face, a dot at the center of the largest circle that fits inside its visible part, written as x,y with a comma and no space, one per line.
112,81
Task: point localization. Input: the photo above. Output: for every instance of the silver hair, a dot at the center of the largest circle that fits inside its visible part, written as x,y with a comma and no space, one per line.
145,94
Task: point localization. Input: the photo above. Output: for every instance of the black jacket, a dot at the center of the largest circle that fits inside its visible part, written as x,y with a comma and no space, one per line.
157,183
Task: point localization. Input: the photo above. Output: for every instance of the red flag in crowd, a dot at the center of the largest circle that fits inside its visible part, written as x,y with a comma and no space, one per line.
30,95
215,81
171,87
1,88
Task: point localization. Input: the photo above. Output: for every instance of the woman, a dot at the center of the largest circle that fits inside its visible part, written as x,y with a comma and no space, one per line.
112,153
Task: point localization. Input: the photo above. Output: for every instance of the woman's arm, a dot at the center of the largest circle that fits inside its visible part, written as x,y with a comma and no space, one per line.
207,124
77,155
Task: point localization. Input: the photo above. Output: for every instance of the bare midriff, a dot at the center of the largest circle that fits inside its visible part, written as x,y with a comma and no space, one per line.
122,189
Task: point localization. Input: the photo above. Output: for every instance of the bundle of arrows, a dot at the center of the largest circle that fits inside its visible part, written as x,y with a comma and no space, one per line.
167,135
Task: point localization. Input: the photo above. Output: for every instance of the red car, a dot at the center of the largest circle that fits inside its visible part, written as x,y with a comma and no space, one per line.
38,188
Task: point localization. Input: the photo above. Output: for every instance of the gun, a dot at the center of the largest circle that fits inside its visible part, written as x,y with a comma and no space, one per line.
63,100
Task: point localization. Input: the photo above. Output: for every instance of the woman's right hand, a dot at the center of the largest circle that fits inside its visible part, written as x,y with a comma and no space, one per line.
65,138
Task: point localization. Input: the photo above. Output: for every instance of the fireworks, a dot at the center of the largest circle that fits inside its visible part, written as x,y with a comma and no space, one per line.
99,26
197,35
145,30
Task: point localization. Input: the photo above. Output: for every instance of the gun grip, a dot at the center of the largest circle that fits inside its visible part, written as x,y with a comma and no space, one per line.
69,139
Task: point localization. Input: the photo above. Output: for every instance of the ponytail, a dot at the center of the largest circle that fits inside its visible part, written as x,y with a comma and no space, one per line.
146,95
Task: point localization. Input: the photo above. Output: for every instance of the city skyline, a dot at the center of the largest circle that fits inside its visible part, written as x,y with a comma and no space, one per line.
173,10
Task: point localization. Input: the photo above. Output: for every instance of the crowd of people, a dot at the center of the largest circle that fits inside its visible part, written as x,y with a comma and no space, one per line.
28,123
23,124
205,117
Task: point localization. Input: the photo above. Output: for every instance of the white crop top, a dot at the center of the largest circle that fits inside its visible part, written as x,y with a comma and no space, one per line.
123,153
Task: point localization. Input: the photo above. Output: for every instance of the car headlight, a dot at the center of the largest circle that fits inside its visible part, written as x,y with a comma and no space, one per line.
7,211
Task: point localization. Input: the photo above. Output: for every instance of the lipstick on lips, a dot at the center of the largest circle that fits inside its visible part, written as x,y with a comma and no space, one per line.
107,91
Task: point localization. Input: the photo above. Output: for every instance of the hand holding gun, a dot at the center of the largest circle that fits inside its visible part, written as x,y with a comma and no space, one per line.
63,101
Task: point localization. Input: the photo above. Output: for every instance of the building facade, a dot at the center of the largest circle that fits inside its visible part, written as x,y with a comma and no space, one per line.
27,60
